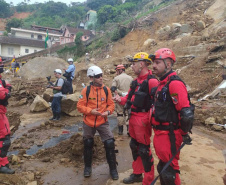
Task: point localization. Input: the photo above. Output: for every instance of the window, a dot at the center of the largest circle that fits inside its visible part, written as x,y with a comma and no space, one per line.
26,50
35,50
10,51
32,36
39,37
85,37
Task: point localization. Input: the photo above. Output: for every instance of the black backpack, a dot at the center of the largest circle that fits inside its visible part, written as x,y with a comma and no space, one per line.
66,86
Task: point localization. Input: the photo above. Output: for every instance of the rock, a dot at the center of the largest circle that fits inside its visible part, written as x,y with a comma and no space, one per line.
200,25
176,26
65,160
30,176
15,160
39,104
217,127
48,95
149,42
46,159
33,183
69,104
224,120
22,102
186,28
210,121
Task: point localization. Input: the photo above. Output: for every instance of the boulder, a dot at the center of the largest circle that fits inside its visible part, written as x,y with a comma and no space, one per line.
217,127
186,28
39,104
149,42
210,121
22,102
48,95
200,25
69,104
176,26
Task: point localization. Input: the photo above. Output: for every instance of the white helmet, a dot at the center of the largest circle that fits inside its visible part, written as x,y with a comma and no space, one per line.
58,71
94,70
70,60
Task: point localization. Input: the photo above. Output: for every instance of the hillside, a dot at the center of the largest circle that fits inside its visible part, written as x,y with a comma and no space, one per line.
16,15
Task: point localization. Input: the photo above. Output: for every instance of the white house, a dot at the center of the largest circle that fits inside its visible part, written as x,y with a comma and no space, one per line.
12,46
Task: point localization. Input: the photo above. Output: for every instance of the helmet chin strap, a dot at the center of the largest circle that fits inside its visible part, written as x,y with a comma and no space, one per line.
165,70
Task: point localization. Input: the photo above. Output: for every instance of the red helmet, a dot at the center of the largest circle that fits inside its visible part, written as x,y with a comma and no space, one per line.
120,66
164,53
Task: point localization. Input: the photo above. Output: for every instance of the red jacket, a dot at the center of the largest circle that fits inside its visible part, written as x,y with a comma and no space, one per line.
4,123
179,94
97,99
151,83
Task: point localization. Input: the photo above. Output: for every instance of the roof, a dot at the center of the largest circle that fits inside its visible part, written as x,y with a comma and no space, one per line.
44,29
76,30
22,42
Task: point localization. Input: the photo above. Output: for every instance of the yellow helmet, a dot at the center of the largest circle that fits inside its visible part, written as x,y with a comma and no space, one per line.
142,56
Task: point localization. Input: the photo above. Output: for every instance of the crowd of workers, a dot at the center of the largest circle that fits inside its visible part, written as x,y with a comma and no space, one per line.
155,100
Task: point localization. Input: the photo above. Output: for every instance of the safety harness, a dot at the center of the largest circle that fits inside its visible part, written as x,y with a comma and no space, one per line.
142,100
165,111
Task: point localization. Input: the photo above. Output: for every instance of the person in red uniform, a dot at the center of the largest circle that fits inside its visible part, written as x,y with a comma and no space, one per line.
138,102
5,143
171,116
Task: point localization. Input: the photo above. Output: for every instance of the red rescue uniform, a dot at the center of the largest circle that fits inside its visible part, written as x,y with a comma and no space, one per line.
140,131
161,141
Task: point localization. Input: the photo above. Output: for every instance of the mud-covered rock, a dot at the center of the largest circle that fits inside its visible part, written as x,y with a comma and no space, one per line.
39,104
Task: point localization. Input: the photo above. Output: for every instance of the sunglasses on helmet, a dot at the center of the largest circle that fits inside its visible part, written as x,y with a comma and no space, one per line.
98,76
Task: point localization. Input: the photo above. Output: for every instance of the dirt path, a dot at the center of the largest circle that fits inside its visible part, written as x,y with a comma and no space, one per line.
201,164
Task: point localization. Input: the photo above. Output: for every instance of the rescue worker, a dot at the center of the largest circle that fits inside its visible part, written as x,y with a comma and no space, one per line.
171,116
138,102
5,89
70,73
120,85
96,104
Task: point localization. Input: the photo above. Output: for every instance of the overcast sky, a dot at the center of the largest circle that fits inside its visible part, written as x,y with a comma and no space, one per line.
15,2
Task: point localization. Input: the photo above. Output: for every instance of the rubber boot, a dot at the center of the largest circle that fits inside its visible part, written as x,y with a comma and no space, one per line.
6,170
111,158
133,178
88,154
54,116
57,117
120,130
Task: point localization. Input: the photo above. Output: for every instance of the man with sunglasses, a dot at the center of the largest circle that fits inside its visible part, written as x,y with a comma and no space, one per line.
96,105
120,85
171,116
138,101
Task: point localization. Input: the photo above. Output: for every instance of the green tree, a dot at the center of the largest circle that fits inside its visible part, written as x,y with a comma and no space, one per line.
106,13
14,22
97,4
5,10
80,49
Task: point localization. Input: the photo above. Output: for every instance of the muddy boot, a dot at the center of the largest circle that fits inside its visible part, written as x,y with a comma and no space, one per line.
128,130
6,170
54,116
120,130
111,157
133,178
88,154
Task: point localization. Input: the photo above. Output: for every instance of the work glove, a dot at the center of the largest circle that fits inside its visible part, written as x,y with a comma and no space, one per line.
187,139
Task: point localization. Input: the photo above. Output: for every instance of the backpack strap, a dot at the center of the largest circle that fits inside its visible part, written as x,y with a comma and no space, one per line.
106,92
3,83
88,91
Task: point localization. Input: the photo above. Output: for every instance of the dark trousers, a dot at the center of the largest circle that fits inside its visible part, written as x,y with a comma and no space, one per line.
71,88
56,104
